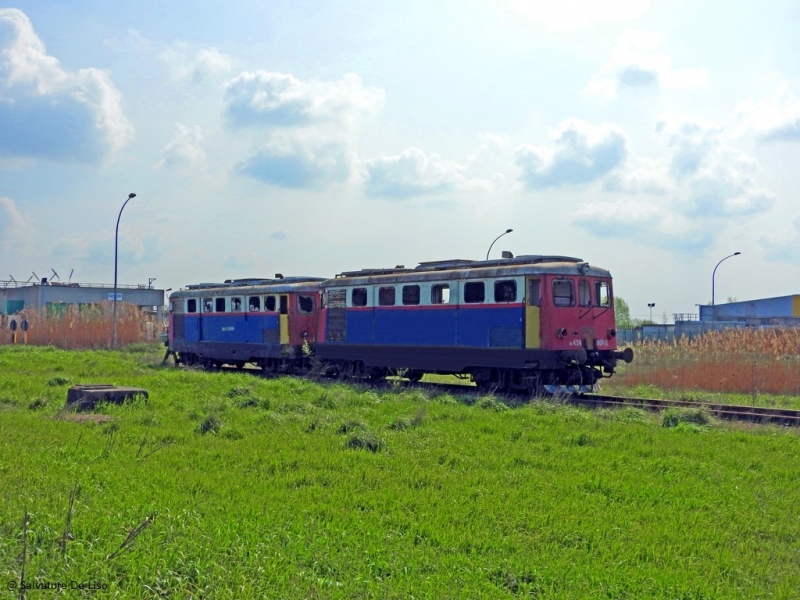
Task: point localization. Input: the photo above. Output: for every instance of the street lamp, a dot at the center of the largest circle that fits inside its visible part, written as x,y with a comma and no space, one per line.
131,196
712,280
650,305
495,239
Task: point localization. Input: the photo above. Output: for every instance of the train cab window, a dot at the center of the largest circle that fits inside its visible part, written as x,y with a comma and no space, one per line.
305,305
505,291
219,305
284,305
254,303
208,305
236,305
563,292
474,292
386,296
410,295
269,303
191,305
602,293
584,294
359,296
440,293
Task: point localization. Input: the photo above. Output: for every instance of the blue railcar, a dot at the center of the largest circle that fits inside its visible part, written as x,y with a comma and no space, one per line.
524,322
271,323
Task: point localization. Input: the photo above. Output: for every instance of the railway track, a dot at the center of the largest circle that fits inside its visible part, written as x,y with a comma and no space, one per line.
756,414
732,412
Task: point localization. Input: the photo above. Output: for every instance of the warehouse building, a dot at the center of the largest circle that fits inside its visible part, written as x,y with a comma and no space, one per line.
16,296
782,311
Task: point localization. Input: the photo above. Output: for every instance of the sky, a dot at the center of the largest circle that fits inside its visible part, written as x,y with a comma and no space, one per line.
649,138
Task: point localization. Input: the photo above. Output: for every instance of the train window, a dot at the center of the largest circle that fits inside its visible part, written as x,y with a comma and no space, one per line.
410,295
584,295
602,293
254,303
440,293
505,291
474,292
305,305
284,305
563,292
219,305
208,305
191,305
386,296
359,296
236,305
269,303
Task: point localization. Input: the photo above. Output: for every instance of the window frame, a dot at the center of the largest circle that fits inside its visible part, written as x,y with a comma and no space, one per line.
271,299
208,305
384,296
411,286
598,284
498,282
441,288
251,307
300,310
223,304
189,309
572,297
360,290
468,285
584,285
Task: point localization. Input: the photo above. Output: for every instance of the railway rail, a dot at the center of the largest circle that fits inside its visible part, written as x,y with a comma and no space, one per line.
737,412
732,412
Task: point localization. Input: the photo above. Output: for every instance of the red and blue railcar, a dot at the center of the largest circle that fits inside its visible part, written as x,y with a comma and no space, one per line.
269,322
530,322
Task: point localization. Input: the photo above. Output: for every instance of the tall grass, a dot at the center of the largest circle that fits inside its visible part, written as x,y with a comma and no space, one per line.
746,361
84,326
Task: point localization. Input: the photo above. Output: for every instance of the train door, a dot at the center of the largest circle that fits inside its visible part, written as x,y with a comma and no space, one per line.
533,303
284,319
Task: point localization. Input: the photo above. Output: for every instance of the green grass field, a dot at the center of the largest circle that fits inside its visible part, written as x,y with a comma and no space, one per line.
284,488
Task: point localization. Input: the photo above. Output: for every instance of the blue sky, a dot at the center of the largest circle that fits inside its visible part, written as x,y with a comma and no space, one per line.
652,139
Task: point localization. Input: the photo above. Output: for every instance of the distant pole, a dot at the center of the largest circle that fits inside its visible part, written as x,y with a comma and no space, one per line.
131,196
713,275
495,239
651,305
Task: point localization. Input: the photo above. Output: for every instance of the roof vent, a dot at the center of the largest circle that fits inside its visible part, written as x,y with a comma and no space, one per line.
507,254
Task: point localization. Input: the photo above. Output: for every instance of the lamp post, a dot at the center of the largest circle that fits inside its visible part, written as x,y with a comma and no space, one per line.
495,239
131,196
713,275
650,305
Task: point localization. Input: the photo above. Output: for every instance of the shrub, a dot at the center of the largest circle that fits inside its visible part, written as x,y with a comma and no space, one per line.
673,417
211,424
365,441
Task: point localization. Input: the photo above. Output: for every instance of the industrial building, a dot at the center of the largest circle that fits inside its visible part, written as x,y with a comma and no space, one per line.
782,311
15,296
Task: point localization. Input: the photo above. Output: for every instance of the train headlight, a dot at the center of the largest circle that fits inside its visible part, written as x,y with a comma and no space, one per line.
562,333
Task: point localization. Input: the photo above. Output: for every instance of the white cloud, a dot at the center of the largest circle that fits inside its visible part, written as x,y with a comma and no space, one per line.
576,14
184,150
637,62
775,118
640,175
266,99
784,245
645,223
414,173
581,153
47,111
720,179
300,162
207,63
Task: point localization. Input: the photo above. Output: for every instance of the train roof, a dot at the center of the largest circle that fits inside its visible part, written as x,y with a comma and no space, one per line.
457,269
251,286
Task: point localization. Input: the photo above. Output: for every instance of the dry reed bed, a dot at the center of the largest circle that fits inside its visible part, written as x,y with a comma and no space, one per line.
749,361
85,326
